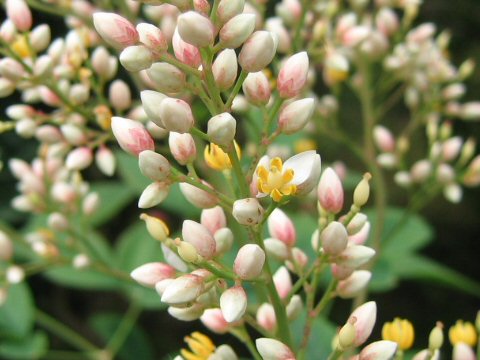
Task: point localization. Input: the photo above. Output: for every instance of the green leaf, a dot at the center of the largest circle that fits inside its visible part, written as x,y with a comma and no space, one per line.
136,345
114,196
305,225
418,267
323,331
33,346
383,277
17,314
129,171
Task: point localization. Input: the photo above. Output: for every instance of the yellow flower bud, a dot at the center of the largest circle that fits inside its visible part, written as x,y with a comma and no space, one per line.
155,227
400,331
362,191
435,339
463,332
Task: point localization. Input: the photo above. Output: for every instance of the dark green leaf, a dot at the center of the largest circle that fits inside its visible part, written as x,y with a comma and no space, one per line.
129,171
31,347
17,314
383,278
114,196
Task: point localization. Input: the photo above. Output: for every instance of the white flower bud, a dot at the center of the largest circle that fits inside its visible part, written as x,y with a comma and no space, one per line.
136,58
248,211
256,88
237,30
105,160
223,240
222,128
225,68
362,191
151,101
150,273
90,204
119,95
155,227
334,238
295,115
276,248
152,37
153,165
26,128
355,256
195,29
166,78
271,349
79,159
233,304
190,313
351,286
199,236
182,147
257,52
294,307
249,262
14,274
227,9
183,289
176,115
198,197
40,37
153,195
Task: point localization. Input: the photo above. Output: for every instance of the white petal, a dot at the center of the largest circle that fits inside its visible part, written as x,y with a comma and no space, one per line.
306,167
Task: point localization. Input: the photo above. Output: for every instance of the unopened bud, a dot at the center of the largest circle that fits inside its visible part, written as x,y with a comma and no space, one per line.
229,8
195,29
223,240
249,262
362,191
266,317
131,135
233,304
79,159
155,227
40,37
383,349
185,52
272,349
222,128
153,195
199,236
281,227
330,191
198,197
136,58
183,289
115,30
237,30
152,37
166,78
293,75
257,52
213,219
19,13
151,273
153,165
354,284
435,339
282,282
58,221
187,252
105,160
213,319
334,238
295,115
256,88
247,211
225,68
14,274
176,115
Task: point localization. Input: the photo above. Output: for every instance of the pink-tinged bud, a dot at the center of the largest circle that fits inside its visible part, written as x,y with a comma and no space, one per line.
19,168
276,248
63,192
40,37
421,33
190,313
256,88
19,13
176,115
421,170
387,21
196,29
248,211
74,134
266,317
213,219
152,37
105,160
271,349
182,147
223,240
351,286
237,30
153,165
282,281
7,31
355,35
360,237
199,236
173,259
198,197
330,191
233,304
364,319
119,95
454,91
7,87
11,69
115,30
213,319
104,64
334,238
383,139
79,94
355,256
183,289
294,307
293,75
281,227
131,135
150,103
6,247
185,52
249,262
151,273
382,350
227,9
299,258
90,204
225,68
202,7
166,78
275,25
221,129
153,195
257,52
26,128
451,148
136,58
295,115
341,272
162,285
79,159
445,173
462,351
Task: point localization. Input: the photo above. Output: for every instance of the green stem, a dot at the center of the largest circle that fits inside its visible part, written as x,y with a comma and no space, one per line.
335,354
241,78
123,330
214,92
168,58
242,335
237,170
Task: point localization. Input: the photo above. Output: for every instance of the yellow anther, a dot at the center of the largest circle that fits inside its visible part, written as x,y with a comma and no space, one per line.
201,347
276,180
218,159
462,332
21,47
400,331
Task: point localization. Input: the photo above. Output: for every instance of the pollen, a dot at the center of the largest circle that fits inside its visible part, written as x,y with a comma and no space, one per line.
201,347
217,159
462,332
276,181
399,331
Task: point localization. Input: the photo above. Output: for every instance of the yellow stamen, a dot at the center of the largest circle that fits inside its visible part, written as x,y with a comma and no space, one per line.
463,332
276,181
400,331
200,345
217,159
21,47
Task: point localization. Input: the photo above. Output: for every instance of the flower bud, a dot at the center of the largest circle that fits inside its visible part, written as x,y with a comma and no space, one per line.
40,37
176,115
131,135
249,262
152,37
295,115
247,211
213,319
6,247
266,317
222,128
351,286
223,240
119,95
183,289
173,259
379,350
185,52
150,273
383,139
105,160
57,222
233,304
19,13
182,147
153,195
14,274
283,282
362,191
90,204
13,70
225,68
462,351
166,78
115,30
153,165
275,25
293,75
150,102
196,29
213,219
363,318
294,307
25,128
355,256
155,227
346,335
281,227
103,64
79,159
257,88
199,236
7,87
227,9
136,58
334,238
276,248
257,52
336,68
190,313
187,252
271,349
237,30
330,191
198,197
361,236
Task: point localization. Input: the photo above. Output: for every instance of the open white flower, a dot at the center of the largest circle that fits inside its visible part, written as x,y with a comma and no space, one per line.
298,175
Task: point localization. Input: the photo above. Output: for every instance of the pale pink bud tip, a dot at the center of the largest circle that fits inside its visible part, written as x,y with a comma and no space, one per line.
131,135
281,227
365,317
115,30
195,29
257,52
249,261
293,75
271,349
19,13
199,236
379,350
182,290
330,191
233,304
151,273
